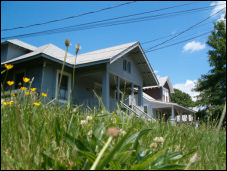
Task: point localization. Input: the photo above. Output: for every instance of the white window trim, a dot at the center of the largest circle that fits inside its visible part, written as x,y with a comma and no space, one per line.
166,94
14,76
69,85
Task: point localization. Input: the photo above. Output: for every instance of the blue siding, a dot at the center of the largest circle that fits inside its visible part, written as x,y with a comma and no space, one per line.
14,51
116,68
4,49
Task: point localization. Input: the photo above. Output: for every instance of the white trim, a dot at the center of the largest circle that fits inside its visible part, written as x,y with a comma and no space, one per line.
69,85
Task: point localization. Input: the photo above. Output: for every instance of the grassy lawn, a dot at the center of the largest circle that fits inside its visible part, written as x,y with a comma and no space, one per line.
38,136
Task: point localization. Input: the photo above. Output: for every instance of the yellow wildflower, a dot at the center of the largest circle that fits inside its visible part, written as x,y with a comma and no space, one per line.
25,79
27,93
33,89
12,94
11,102
36,104
24,88
8,67
44,95
10,83
5,103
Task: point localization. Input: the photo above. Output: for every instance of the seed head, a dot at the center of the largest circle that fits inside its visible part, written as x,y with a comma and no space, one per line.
112,131
67,42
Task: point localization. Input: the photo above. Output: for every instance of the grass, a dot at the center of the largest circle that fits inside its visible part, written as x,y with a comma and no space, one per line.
43,137
37,136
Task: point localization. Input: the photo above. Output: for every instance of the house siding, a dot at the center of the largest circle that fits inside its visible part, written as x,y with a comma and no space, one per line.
4,49
155,92
15,51
116,68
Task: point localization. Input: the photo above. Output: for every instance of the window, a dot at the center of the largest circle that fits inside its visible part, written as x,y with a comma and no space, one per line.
165,96
124,65
65,87
145,109
129,67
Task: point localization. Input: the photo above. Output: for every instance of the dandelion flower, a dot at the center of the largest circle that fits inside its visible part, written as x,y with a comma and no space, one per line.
13,94
8,67
33,89
24,88
27,93
10,83
36,104
25,79
11,102
5,103
44,95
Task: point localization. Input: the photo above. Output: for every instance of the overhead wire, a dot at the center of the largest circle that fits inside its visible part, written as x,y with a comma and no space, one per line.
72,28
92,12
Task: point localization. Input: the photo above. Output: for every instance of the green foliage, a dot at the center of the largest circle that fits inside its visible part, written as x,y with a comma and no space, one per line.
182,98
212,86
54,138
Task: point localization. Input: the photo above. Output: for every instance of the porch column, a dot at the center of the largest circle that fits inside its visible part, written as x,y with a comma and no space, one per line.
132,93
172,116
118,89
140,96
180,116
106,90
187,117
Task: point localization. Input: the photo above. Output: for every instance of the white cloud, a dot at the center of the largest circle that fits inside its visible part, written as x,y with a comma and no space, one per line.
158,76
220,5
187,88
193,46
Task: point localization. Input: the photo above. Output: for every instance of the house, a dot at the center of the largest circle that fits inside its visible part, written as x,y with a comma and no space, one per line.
157,103
113,73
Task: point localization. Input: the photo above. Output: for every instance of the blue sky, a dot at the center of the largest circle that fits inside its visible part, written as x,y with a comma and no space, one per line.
183,63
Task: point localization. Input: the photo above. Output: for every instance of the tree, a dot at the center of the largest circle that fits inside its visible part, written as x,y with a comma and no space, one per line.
212,86
182,98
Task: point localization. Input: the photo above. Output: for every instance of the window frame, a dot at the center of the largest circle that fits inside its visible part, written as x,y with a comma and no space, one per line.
69,75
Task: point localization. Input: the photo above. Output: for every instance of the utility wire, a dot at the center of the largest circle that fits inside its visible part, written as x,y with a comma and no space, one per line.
87,26
186,29
147,51
92,12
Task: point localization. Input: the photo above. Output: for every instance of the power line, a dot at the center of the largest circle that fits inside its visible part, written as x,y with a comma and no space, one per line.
147,51
92,12
187,29
87,26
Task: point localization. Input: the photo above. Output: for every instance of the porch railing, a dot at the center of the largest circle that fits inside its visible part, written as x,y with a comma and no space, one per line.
138,110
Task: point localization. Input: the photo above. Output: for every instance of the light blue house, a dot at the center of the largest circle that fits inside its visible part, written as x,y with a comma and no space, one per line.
113,73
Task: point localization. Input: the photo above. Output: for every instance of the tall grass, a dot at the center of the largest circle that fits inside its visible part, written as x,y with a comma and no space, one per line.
57,138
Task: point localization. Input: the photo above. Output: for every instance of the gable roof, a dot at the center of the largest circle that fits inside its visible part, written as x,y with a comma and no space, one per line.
110,55
162,81
20,44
